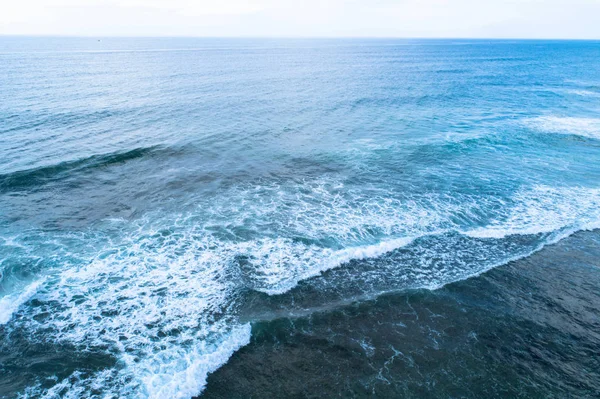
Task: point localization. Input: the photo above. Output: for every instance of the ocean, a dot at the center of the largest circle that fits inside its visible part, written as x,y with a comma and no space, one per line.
257,218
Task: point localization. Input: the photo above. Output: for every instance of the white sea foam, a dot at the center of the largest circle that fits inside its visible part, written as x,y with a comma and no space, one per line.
585,127
282,265
173,373
9,304
153,302
543,210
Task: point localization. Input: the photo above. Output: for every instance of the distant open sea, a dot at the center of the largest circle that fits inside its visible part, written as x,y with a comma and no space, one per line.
299,218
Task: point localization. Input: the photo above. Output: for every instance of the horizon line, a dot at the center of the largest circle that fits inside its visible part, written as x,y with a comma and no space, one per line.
85,36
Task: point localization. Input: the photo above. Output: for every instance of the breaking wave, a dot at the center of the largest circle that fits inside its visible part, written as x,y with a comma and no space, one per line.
162,294
584,127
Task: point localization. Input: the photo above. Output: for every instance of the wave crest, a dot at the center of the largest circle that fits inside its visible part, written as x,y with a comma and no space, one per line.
584,127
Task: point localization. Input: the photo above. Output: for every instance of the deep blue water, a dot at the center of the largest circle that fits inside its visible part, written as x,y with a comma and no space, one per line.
162,200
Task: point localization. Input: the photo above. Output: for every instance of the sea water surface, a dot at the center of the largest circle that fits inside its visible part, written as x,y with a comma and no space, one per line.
167,202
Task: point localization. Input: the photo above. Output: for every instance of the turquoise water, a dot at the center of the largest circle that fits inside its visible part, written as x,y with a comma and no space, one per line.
159,197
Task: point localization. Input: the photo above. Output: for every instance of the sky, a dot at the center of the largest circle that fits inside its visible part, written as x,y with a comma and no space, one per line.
568,19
